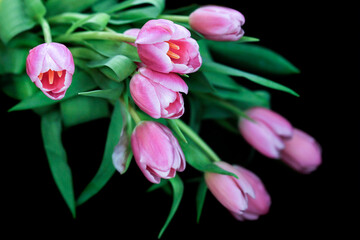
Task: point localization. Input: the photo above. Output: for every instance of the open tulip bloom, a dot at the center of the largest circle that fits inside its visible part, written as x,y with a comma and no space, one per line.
159,81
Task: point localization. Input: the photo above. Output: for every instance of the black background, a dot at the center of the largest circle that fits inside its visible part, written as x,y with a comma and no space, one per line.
321,40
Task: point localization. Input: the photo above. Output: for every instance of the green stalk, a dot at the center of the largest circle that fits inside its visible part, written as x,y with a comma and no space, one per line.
95,35
176,18
190,133
46,30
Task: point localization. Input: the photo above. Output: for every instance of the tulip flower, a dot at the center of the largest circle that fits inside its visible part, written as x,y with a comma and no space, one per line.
259,205
302,152
266,131
232,193
156,151
218,23
51,67
158,94
167,47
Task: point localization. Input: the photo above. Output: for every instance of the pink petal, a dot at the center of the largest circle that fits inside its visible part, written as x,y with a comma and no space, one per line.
155,31
154,56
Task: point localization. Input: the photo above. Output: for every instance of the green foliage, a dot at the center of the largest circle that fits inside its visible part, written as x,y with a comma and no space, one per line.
56,155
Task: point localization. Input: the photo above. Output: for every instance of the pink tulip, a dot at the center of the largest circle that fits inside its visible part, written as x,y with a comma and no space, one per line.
156,151
259,205
218,23
232,193
302,152
267,132
51,67
167,47
158,94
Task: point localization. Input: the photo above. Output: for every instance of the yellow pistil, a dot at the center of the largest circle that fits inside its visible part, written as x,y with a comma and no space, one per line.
172,55
40,76
59,73
51,76
173,45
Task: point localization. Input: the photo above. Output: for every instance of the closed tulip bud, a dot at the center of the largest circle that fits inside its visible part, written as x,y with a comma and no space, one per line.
259,205
156,151
167,47
51,67
158,94
266,131
302,152
231,192
218,23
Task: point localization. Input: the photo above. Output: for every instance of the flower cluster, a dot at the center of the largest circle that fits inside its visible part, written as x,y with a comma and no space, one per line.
165,52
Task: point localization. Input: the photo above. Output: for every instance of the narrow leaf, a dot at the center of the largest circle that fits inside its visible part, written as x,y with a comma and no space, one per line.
55,152
176,128
178,190
110,94
106,169
220,68
200,198
252,58
55,6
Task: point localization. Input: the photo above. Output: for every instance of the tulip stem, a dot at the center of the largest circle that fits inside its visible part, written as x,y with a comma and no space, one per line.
46,30
134,115
196,138
175,18
75,37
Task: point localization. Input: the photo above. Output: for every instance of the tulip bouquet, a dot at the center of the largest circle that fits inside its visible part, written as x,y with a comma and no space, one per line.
141,65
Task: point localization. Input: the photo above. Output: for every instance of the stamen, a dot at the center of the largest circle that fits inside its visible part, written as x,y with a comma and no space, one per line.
173,55
173,45
40,76
59,73
51,76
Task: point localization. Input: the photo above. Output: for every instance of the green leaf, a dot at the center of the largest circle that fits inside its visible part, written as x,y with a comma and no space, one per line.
77,110
198,160
106,169
35,9
156,186
55,152
85,53
109,48
196,112
120,14
13,19
176,129
81,82
116,68
252,58
199,83
18,86
245,39
96,21
220,68
55,7
178,190
200,198
12,60
110,94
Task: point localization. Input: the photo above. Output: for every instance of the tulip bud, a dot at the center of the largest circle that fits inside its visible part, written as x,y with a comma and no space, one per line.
218,23
259,205
51,67
167,47
302,152
267,132
156,151
232,193
158,94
